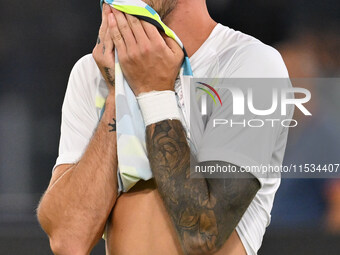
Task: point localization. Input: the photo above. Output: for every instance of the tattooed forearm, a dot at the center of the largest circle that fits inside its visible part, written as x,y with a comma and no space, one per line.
113,126
98,40
204,211
108,75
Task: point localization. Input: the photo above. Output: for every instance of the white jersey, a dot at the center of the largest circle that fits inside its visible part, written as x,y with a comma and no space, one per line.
225,54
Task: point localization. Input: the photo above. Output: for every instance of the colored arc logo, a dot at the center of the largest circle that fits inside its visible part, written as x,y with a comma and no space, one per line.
209,93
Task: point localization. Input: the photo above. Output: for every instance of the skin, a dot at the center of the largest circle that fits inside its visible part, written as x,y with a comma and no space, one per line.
74,209
171,214
75,224
203,212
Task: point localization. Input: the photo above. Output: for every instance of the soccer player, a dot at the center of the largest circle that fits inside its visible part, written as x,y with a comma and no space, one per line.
171,213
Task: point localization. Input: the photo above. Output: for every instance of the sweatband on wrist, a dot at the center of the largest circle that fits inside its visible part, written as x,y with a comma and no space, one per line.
158,105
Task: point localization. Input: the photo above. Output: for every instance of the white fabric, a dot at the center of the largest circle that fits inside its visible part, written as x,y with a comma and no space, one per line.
158,105
226,53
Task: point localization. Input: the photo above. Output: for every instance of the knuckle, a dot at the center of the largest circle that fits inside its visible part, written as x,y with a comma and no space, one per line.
134,21
117,36
145,50
123,27
112,25
133,54
159,46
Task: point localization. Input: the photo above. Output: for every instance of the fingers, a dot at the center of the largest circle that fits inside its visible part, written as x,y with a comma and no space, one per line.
133,37
102,41
151,31
155,37
116,35
137,29
124,29
104,24
108,43
173,45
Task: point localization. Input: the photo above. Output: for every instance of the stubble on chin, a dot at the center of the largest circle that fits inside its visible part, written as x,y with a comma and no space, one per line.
162,7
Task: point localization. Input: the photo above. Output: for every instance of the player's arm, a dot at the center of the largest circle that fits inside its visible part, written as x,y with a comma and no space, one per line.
74,209
204,211
80,197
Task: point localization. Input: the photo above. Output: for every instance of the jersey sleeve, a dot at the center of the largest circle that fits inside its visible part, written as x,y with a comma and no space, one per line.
79,113
238,141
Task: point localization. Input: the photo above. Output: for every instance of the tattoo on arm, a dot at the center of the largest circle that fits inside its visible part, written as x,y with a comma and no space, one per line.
204,211
103,49
98,40
113,126
108,75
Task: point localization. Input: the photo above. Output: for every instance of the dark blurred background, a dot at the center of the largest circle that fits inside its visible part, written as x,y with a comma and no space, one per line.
41,41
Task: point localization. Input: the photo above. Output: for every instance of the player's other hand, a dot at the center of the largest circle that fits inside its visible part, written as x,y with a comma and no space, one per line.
103,53
149,60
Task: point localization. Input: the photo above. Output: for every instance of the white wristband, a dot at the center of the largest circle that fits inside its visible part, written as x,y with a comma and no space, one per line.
158,105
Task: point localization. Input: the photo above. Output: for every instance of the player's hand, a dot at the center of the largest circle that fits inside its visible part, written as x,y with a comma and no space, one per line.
103,53
149,60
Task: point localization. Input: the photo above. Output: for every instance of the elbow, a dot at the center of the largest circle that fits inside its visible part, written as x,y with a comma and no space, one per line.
60,246
47,215
62,242
42,216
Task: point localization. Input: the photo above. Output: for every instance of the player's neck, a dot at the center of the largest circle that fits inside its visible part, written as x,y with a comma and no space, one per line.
192,24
